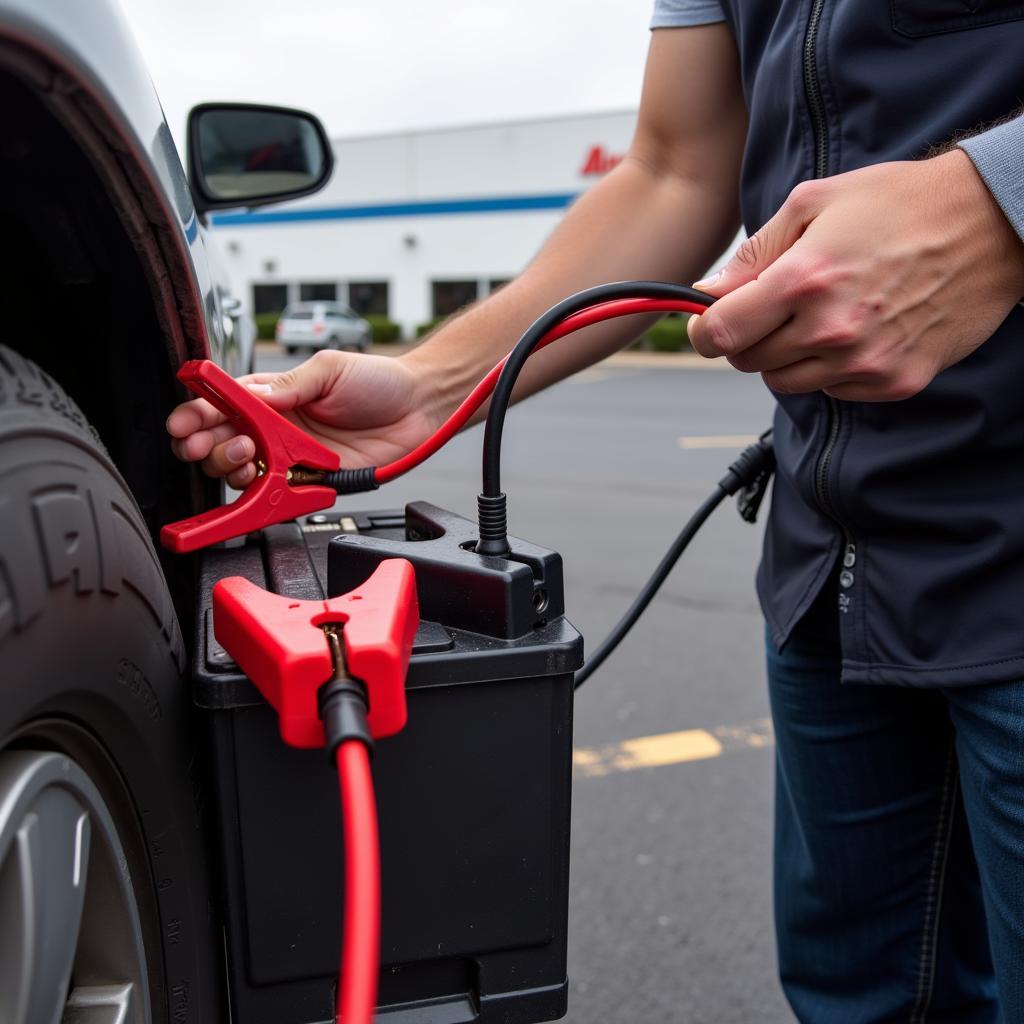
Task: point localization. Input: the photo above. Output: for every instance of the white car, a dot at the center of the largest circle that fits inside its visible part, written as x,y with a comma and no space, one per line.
322,325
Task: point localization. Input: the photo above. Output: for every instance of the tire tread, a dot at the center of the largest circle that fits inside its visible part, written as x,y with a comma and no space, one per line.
25,387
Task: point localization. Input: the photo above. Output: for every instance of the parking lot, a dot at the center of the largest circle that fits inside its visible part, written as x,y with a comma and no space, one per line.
670,917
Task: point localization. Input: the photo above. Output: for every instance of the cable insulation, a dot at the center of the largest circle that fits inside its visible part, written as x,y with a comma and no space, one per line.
748,475
360,944
651,587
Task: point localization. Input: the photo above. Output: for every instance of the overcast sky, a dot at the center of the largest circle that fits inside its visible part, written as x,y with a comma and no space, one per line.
367,66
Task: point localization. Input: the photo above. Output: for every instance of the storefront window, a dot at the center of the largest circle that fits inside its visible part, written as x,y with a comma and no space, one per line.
368,297
269,298
448,296
314,291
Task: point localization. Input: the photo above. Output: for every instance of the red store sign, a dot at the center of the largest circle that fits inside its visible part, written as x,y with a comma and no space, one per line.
599,161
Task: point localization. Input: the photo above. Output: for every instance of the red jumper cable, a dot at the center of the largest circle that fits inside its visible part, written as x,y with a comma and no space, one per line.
334,671
297,475
584,318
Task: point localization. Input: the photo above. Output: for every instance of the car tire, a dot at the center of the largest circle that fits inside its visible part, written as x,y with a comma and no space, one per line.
96,709
291,349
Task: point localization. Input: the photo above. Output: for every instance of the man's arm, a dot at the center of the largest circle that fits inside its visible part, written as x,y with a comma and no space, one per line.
665,212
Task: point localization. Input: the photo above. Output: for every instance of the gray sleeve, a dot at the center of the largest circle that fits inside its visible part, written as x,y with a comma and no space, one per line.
999,156
680,13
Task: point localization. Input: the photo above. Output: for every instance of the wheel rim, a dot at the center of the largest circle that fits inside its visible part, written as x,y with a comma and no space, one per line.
71,945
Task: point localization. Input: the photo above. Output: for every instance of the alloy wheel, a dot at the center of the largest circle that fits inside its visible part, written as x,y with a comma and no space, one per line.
71,947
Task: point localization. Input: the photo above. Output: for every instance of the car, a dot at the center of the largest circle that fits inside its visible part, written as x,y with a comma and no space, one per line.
313,325
108,894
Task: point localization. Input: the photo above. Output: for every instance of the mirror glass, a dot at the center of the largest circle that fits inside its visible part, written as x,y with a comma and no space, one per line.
252,154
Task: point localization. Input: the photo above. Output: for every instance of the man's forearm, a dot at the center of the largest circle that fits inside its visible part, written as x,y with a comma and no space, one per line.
639,222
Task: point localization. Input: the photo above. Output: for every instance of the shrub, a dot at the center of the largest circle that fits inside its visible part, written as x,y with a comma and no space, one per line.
266,325
429,325
385,331
667,335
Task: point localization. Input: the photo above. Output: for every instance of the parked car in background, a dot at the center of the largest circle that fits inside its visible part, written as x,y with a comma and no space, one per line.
322,325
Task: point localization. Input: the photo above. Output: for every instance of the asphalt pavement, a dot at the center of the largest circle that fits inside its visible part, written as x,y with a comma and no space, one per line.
670,904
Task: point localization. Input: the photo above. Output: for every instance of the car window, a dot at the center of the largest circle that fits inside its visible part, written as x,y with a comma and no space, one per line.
299,314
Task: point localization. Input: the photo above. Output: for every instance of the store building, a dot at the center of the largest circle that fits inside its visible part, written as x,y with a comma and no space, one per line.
416,224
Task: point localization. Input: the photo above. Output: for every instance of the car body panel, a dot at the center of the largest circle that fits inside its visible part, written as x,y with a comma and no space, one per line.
91,43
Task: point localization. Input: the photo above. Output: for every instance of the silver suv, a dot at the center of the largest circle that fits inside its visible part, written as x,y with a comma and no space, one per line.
322,325
111,898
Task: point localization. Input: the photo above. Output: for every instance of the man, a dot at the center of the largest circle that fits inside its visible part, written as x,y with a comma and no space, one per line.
878,297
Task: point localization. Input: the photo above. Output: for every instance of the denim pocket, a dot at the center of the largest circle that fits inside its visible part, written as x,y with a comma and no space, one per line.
917,18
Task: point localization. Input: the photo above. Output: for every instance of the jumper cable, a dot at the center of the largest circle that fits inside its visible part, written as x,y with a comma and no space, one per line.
360,940
297,475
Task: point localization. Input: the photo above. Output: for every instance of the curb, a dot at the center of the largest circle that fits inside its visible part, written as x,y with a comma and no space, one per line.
664,361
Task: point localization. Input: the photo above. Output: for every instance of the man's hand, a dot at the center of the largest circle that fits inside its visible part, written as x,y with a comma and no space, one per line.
369,409
867,284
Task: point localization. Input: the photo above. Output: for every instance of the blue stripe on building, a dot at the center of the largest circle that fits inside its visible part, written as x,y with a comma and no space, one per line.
425,208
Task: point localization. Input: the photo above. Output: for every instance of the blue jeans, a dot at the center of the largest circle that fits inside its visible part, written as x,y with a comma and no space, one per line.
899,842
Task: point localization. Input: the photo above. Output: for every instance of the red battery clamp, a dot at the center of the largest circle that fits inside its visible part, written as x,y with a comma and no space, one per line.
281,448
280,644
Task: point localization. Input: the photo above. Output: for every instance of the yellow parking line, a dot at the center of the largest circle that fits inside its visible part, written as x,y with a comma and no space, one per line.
716,441
669,748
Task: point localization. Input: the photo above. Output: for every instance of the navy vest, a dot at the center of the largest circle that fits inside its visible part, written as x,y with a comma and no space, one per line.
913,510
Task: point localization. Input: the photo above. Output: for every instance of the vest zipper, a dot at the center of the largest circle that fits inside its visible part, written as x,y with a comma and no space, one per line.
819,131
825,459
812,85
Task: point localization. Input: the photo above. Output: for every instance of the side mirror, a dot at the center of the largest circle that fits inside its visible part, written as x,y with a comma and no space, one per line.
245,154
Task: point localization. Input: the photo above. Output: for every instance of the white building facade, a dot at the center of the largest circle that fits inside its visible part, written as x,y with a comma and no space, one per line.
415,225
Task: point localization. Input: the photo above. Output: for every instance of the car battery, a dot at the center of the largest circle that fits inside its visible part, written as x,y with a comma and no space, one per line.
473,796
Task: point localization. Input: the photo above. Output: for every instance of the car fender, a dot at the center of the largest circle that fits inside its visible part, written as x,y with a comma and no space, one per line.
96,73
